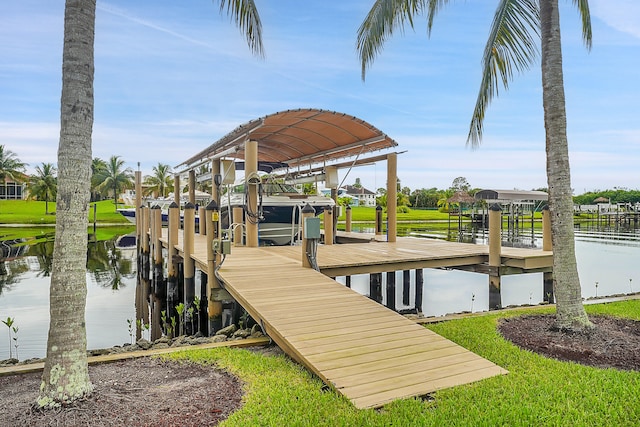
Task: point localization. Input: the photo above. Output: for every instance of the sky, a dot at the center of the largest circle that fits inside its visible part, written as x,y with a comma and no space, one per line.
172,77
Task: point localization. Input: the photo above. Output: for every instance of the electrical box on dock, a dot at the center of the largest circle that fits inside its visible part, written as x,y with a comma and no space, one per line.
312,228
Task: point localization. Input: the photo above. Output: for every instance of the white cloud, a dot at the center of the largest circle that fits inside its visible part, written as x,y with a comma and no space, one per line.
623,15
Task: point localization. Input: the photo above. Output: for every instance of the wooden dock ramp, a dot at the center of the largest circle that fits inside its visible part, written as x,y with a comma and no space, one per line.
370,354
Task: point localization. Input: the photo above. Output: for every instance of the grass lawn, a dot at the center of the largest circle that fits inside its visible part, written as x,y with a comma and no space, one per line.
536,392
33,212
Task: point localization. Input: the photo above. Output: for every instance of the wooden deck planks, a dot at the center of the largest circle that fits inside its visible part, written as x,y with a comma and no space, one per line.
348,340
370,354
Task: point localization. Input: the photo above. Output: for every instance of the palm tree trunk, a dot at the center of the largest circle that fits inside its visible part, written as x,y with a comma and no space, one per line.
65,377
570,311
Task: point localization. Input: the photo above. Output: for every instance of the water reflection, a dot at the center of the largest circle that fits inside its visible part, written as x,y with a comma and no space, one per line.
24,293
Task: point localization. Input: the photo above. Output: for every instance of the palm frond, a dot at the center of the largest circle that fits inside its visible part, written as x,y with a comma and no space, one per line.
585,15
511,46
245,15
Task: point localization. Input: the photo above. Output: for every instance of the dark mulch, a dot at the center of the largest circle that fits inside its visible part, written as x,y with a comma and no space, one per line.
136,392
612,343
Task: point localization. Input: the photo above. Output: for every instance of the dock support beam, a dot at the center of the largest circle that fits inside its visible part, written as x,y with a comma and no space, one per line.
214,308
307,212
419,285
392,196
375,287
378,220
495,257
173,293
347,225
328,225
251,181
406,286
391,290
192,187
176,189
189,264
138,203
238,230
156,232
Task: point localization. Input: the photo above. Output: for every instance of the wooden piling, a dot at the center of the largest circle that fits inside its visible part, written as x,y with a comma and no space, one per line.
251,181
138,203
419,289
495,257
238,226
347,225
328,225
202,222
188,263
307,212
391,290
392,196
192,187
546,229
378,220
156,222
214,307
172,297
406,286
375,287
177,191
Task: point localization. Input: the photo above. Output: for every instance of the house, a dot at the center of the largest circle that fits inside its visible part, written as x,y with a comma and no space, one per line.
362,195
11,190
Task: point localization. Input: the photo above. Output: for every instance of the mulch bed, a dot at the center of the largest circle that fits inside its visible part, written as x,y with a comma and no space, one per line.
612,343
135,392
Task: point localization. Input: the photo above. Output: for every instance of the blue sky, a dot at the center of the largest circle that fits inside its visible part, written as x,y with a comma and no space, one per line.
174,76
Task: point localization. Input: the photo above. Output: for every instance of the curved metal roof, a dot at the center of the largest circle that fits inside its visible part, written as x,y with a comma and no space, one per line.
510,195
299,137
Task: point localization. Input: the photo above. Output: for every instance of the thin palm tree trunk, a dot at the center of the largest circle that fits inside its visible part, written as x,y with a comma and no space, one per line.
570,311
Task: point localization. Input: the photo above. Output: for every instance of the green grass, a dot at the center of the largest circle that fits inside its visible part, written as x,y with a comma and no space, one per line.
33,212
537,391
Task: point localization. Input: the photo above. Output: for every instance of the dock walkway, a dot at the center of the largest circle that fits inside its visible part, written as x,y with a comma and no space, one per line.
370,354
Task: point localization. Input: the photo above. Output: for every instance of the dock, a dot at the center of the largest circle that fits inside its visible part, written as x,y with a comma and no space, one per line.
365,351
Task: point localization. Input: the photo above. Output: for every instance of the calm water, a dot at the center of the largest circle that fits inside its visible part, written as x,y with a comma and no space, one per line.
609,260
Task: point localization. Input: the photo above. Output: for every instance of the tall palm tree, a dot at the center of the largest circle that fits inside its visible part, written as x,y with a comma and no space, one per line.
114,178
65,377
44,185
161,182
10,165
512,46
98,167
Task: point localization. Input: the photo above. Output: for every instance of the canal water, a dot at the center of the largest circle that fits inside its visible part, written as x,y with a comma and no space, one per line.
607,265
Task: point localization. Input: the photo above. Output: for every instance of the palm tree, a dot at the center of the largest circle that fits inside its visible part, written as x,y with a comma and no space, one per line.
98,168
10,165
43,185
161,182
65,377
114,179
512,46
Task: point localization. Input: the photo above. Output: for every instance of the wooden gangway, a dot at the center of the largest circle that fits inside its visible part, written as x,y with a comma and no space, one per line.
368,353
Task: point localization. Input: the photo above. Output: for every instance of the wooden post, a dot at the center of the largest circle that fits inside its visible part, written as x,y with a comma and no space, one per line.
347,225
144,229
307,212
172,254
177,191
547,287
392,196
238,230
214,308
157,246
546,229
215,170
375,287
138,203
250,170
328,225
192,187
187,249
202,222
495,258
419,285
391,290
378,220
406,286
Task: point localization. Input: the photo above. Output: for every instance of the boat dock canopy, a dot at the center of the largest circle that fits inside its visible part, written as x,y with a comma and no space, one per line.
298,138
509,196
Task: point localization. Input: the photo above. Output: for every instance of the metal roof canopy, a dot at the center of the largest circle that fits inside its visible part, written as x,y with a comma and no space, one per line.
298,138
510,196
